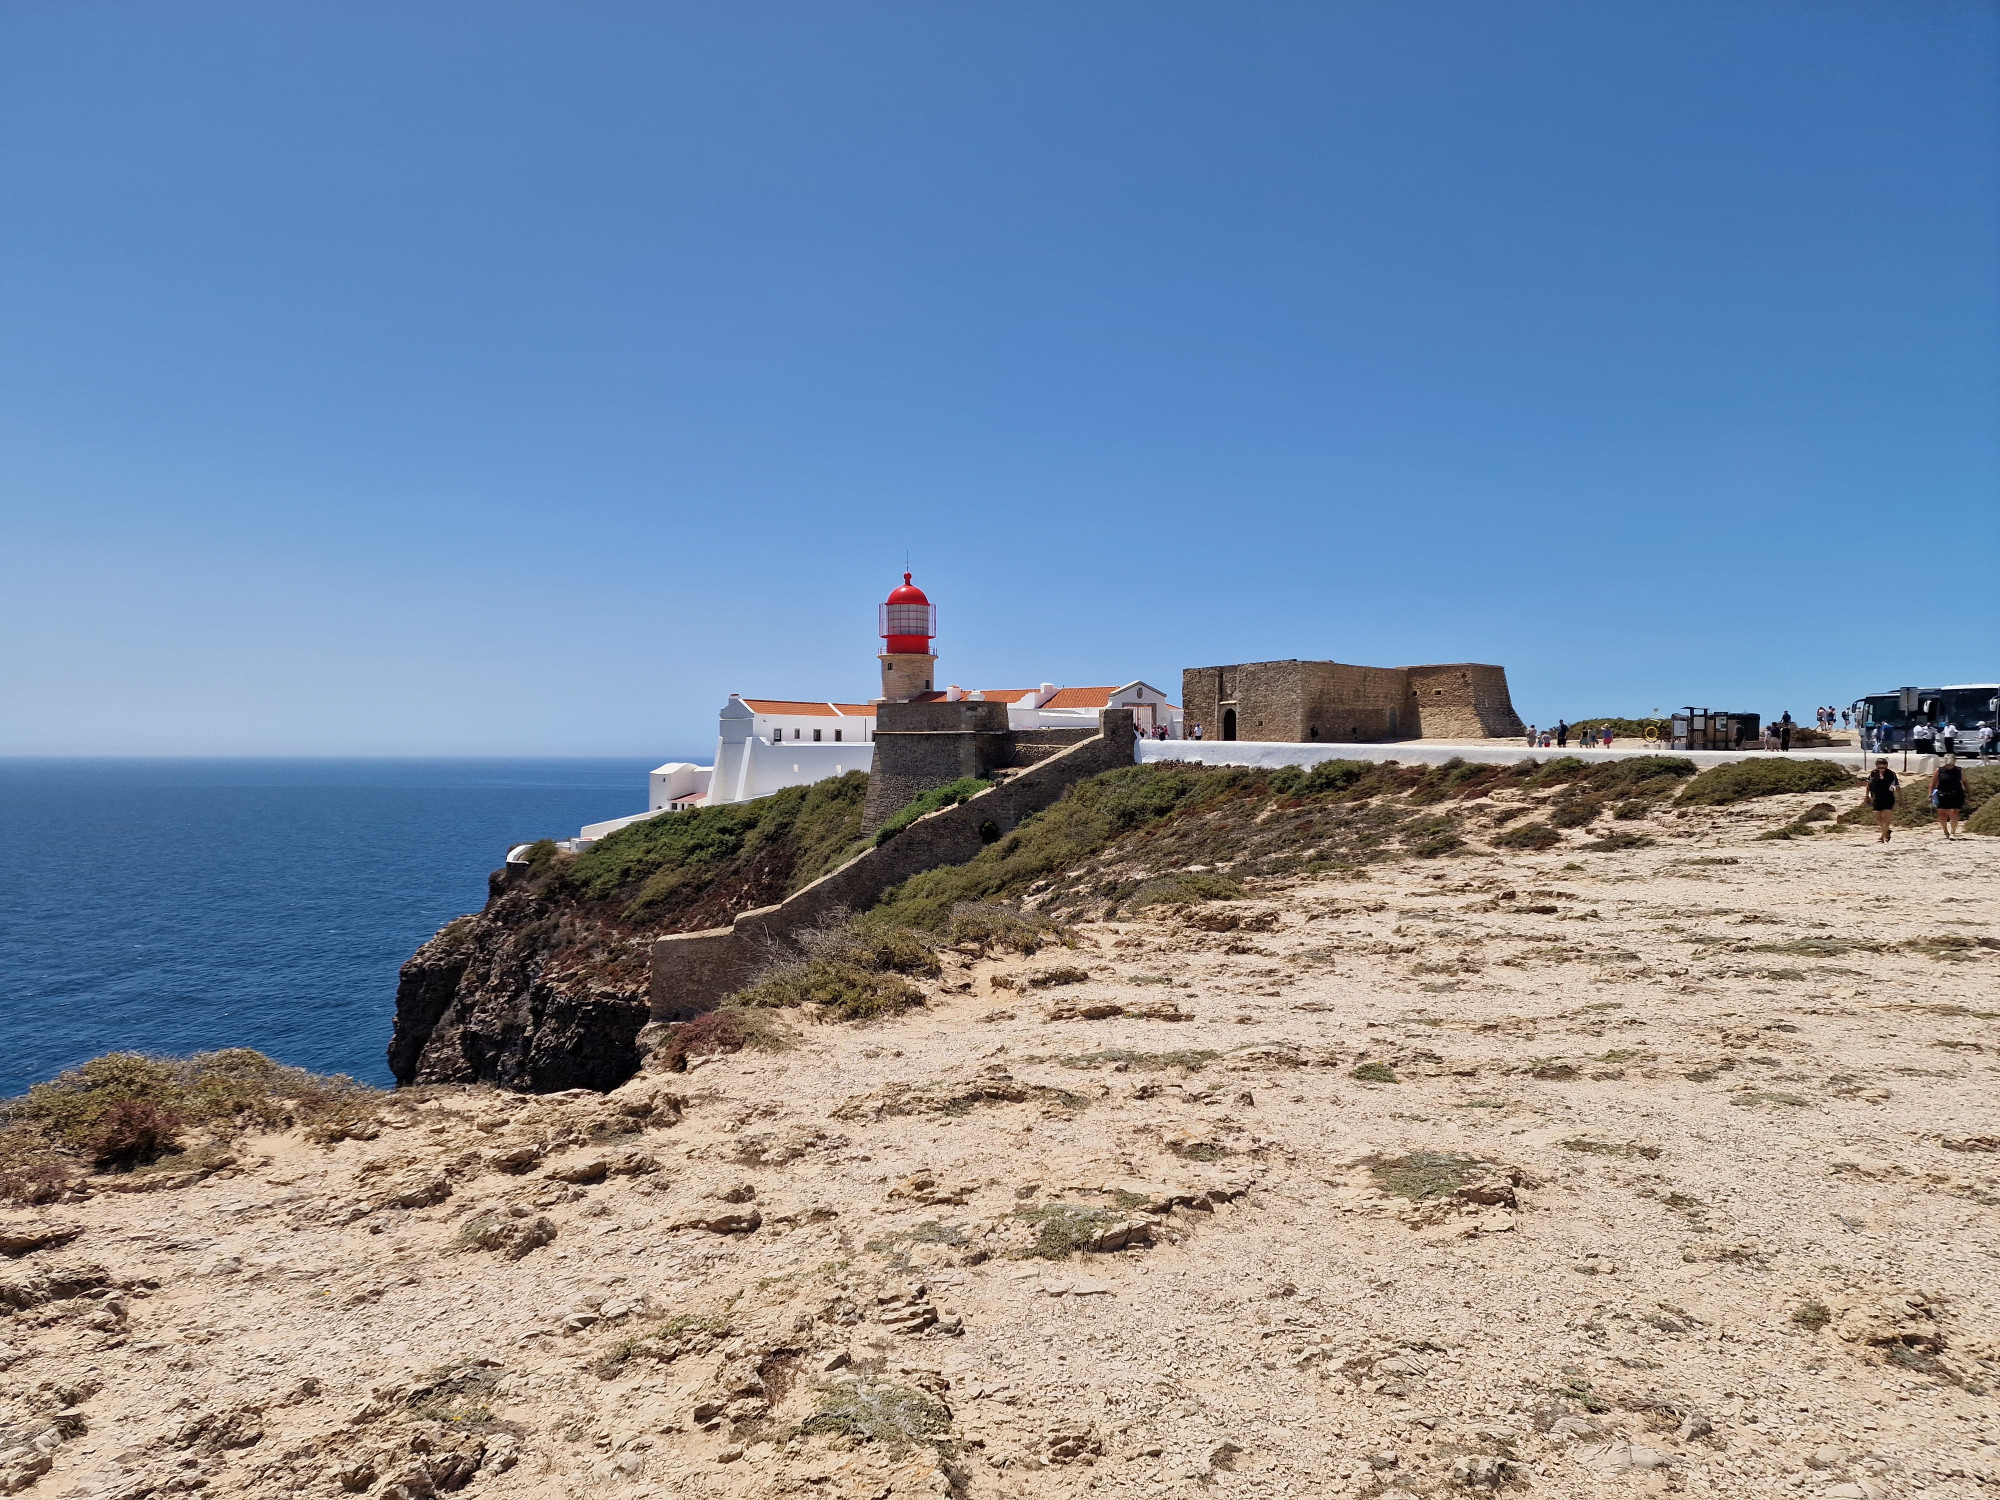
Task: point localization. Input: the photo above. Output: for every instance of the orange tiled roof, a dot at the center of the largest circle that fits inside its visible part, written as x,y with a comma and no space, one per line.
791,708
1078,697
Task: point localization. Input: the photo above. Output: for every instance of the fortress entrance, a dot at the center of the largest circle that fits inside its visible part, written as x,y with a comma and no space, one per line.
1229,723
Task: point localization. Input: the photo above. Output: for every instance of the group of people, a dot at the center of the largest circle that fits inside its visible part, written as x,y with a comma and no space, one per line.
1830,718
1559,737
1944,738
1947,790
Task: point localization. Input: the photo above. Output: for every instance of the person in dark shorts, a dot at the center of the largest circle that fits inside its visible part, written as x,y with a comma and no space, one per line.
1948,795
1880,794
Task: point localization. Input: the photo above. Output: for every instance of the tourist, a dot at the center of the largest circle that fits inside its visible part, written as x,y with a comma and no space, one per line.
1947,737
1880,794
1948,794
1607,736
1785,731
1532,740
1195,733
1986,738
1923,739
1562,735
1843,717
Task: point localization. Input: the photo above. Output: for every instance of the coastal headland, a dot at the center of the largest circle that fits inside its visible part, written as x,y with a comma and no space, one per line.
1560,1130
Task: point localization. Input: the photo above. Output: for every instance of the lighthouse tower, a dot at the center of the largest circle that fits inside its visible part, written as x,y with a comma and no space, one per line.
909,624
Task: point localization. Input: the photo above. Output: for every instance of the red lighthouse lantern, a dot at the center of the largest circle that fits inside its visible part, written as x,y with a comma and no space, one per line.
909,621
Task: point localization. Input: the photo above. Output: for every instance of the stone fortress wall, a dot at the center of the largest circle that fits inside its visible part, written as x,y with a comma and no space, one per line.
693,971
1301,701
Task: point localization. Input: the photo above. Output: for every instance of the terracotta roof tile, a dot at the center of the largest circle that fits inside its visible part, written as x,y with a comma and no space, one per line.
797,709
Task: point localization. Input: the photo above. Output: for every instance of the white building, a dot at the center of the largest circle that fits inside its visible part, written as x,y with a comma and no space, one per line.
767,744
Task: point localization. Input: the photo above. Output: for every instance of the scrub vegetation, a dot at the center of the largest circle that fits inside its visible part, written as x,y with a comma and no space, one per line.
653,871
1184,833
936,799
127,1111
1745,779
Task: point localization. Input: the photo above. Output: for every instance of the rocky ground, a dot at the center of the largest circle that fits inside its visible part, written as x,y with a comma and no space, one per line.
1660,1170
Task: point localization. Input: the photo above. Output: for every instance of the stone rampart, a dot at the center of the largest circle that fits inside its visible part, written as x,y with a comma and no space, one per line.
1294,702
1462,700
693,971
919,746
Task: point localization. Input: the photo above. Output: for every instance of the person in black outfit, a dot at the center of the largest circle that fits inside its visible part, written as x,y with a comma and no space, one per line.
1880,794
1785,731
1562,735
1948,795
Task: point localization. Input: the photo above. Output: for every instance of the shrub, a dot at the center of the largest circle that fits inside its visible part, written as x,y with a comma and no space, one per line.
1184,888
1744,779
775,845
873,1411
988,925
1528,836
1614,841
133,1131
1422,1175
1061,1229
83,1112
878,946
729,1029
1575,814
937,798
1374,1072
845,990
1986,820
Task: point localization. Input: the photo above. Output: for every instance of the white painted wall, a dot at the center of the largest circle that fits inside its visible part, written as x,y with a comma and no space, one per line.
674,780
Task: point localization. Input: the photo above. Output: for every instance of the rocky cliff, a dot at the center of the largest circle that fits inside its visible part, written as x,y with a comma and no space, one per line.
546,988
1613,1169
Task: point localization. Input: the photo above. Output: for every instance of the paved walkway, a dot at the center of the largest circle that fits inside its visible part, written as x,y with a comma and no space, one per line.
1481,752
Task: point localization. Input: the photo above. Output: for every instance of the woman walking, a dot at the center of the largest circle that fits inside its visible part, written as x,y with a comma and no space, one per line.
1948,795
1880,794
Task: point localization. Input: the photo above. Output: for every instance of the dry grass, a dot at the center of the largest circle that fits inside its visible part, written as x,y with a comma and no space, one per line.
127,1110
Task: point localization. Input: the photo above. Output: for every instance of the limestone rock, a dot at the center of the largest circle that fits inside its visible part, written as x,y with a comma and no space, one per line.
23,1236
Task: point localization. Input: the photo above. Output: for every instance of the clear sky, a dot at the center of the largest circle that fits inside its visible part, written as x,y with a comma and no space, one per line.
524,378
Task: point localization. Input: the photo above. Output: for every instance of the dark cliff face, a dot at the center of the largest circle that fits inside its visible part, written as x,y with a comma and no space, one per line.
547,987
519,997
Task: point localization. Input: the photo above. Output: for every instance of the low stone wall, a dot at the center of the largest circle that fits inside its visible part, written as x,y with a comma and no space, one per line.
1030,747
1272,754
693,971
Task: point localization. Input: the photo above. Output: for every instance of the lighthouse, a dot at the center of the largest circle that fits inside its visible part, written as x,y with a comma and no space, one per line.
909,625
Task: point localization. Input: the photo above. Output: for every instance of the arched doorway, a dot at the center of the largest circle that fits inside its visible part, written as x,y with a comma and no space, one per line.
1229,723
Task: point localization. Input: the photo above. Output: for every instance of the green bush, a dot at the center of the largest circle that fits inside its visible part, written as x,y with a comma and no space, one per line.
125,1109
774,846
1183,887
1575,814
937,798
873,1411
845,991
1621,729
853,971
1528,836
1772,777
1987,819
992,925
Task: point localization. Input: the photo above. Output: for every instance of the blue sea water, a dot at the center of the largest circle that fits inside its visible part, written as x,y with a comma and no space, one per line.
177,905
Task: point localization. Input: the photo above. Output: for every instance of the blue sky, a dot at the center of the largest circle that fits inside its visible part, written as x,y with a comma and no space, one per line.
513,378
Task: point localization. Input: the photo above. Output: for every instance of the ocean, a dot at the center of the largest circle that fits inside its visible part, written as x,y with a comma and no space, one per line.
174,906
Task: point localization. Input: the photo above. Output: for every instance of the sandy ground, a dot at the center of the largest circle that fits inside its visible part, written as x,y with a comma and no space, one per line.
1706,1129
